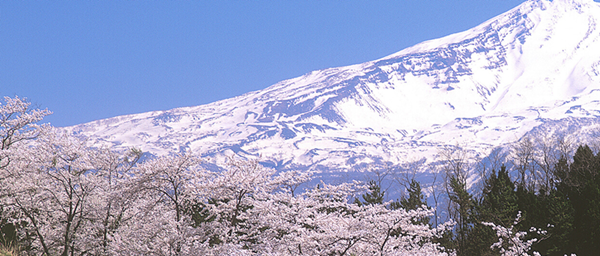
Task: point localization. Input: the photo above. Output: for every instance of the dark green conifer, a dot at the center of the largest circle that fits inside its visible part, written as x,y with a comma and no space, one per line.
464,206
374,196
415,200
498,204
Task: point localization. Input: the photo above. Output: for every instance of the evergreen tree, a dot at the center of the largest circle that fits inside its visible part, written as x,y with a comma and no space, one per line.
463,208
561,214
415,197
415,200
498,204
499,200
560,218
374,196
583,191
571,207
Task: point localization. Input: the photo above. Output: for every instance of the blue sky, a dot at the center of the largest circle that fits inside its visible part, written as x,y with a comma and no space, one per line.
88,60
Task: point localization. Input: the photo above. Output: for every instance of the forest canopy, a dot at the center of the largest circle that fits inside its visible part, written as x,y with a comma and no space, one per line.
61,196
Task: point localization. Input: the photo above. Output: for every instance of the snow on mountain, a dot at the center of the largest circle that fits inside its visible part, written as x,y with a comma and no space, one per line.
536,66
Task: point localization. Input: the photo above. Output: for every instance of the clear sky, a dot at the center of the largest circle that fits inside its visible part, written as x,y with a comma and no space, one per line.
88,60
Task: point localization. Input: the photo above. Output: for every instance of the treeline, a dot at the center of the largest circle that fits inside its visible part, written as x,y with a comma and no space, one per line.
59,196
556,195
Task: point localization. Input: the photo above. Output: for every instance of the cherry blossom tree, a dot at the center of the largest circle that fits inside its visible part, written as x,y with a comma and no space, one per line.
156,223
18,123
323,222
115,170
51,187
68,198
512,242
249,209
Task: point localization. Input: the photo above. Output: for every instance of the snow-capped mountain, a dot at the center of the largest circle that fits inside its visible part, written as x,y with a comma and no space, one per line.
534,68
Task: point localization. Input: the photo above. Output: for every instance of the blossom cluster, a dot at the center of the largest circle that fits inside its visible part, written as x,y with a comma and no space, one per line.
66,197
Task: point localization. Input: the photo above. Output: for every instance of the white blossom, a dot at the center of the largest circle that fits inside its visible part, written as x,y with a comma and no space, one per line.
69,198
511,242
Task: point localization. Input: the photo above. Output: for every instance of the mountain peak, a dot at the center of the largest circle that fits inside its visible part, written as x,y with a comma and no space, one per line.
567,2
534,65
563,5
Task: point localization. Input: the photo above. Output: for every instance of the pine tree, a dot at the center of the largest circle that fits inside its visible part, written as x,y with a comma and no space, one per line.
463,206
572,206
415,200
415,197
375,196
584,194
498,204
560,218
499,200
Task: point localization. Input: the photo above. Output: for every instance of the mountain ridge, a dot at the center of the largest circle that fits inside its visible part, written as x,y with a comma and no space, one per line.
483,88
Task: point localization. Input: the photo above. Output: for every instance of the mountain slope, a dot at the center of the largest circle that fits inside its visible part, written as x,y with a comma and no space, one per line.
535,65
